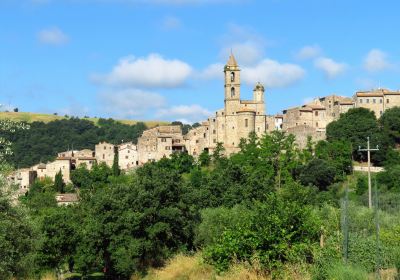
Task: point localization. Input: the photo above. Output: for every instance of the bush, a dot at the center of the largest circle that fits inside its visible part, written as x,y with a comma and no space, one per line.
278,231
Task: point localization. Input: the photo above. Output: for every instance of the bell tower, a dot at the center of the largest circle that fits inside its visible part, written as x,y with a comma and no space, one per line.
232,85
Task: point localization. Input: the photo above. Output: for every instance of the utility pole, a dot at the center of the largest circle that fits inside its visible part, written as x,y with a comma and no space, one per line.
368,150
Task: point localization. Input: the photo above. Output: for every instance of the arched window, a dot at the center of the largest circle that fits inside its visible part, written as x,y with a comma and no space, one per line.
232,76
233,92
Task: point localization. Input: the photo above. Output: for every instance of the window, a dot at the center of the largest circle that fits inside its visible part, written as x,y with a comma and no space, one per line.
214,131
167,147
360,100
215,140
380,113
258,129
105,148
104,156
316,113
367,100
223,126
232,92
374,100
316,124
163,139
213,120
204,135
197,141
232,76
387,100
222,113
126,157
330,106
380,100
246,123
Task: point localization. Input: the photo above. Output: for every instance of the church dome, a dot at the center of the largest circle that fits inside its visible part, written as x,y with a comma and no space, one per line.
259,86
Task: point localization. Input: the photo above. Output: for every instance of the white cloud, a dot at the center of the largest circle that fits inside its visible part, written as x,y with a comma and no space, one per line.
273,74
376,60
52,36
245,43
331,68
308,52
171,23
130,102
247,53
213,71
149,72
184,113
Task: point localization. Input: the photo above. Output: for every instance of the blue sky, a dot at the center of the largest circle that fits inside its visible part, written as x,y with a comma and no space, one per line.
163,59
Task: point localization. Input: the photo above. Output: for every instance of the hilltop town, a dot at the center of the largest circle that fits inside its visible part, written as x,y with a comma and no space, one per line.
228,126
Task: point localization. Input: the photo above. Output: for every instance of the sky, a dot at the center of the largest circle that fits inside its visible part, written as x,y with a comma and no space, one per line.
163,59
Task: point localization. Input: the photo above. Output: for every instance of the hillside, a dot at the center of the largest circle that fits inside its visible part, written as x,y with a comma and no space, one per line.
46,118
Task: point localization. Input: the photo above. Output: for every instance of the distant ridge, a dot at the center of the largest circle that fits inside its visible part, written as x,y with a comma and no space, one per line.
38,117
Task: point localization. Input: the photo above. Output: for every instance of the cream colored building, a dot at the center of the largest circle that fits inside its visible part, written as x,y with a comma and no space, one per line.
127,156
159,142
235,121
23,178
377,100
105,152
52,168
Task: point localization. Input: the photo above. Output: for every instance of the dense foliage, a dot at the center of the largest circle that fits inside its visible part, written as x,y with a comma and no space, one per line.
269,206
43,141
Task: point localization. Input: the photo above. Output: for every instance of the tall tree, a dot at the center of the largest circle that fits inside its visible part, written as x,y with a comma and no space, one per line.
59,184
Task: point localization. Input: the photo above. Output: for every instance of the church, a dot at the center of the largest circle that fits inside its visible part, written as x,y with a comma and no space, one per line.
235,121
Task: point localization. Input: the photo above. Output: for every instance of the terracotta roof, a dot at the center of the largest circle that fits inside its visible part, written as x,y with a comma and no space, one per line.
305,109
369,94
67,197
346,103
63,158
316,107
41,166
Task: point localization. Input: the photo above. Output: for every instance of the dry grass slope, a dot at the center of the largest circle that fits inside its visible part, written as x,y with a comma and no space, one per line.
193,268
32,117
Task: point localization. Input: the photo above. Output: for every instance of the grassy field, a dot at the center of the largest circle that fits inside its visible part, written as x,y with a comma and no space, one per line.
37,117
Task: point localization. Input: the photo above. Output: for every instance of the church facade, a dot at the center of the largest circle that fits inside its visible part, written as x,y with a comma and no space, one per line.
235,121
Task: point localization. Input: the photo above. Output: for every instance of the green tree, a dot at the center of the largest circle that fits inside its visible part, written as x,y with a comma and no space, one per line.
319,173
59,184
115,166
59,227
204,158
390,122
355,126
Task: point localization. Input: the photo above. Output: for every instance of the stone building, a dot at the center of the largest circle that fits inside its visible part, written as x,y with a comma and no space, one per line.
377,100
159,142
52,168
105,152
83,157
127,156
23,178
235,121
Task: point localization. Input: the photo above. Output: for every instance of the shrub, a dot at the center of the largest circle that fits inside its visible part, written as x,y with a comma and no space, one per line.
278,231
